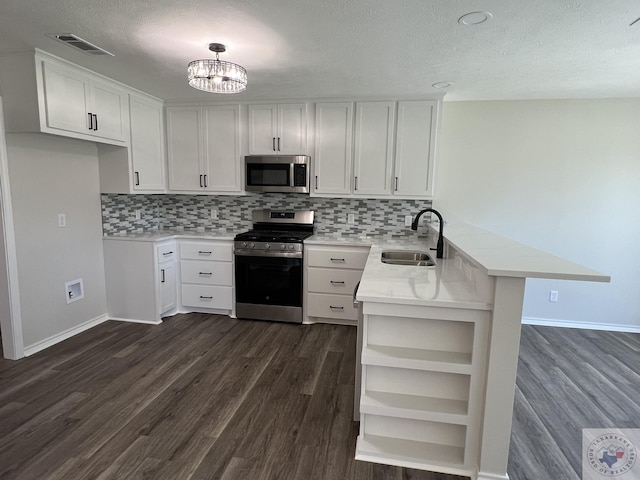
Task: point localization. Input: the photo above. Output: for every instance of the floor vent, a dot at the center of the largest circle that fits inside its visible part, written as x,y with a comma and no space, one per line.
77,42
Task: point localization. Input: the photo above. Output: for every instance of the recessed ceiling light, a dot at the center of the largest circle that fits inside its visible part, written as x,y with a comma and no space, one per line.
474,18
442,84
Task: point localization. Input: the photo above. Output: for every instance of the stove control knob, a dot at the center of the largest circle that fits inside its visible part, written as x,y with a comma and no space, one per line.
244,244
283,247
267,246
252,245
291,247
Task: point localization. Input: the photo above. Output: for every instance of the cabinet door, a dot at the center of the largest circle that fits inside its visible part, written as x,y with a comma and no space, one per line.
292,129
222,148
167,279
262,129
184,148
147,144
333,151
373,154
108,104
66,93
415,148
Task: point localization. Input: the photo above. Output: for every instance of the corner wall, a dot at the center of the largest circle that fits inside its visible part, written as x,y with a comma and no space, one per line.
51,175
561,176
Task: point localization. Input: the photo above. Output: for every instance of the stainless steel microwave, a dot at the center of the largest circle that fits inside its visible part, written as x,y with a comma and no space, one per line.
277,173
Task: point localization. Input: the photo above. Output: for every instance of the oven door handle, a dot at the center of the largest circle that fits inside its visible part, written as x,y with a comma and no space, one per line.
244,253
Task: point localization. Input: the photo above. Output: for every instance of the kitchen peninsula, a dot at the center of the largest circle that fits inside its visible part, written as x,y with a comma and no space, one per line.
440,352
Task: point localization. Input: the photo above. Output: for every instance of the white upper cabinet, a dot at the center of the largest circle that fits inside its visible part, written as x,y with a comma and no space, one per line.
333,148
147,144
415,148
278,129
373,152
388,158
203,149
76,102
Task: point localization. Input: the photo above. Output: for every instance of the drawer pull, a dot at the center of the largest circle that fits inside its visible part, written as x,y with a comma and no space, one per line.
335,282
338,260
205,273
167,253
336,308
202,297
163,279
202,252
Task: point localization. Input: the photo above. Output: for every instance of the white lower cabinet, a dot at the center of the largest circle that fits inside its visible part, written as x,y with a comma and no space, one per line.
422,386
140,279
206,276
331,276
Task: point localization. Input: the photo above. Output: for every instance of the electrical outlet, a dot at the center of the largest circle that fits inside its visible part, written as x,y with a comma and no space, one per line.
214,214
351,218
138,214
62,220
553,295
408,219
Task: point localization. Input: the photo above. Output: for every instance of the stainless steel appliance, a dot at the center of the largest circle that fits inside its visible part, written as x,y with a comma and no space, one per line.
277,173
269,262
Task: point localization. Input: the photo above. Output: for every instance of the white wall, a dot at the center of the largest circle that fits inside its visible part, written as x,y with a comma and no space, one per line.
559,175
51,175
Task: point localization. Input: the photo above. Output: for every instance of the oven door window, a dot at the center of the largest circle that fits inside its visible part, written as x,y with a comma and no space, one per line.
269,281
268,175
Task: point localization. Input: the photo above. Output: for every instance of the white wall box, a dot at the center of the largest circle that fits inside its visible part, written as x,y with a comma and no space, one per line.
203,149
141,167
278,129
422,388
43,93
206,276
373,155
331,276
140,279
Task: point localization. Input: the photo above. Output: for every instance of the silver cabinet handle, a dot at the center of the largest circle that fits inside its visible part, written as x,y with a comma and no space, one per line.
335,308
338,260
167,253
206,298
137,177
162,272
316,182
396,184
203,252
95,122
335,282
273,143
90,124
205,273
206,181
278,143
355,183
201,185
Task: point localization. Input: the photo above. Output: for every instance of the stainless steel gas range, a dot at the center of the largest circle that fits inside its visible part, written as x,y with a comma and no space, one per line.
269,263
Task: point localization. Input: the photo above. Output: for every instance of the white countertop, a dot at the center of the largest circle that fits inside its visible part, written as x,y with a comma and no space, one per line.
170,234
501,257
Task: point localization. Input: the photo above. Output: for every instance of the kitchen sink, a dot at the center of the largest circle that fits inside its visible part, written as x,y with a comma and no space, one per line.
407,257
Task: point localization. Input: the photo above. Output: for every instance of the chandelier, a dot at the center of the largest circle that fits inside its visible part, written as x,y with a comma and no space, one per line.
217,76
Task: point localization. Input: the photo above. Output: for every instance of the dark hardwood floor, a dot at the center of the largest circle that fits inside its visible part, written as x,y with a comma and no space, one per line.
198,397
209,397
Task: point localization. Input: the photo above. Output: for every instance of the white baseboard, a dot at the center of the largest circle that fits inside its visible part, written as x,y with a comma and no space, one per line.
48,342
134,320
491,476
551,322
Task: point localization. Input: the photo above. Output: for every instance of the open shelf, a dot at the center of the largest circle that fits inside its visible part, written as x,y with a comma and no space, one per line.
414,406
411,454
417,358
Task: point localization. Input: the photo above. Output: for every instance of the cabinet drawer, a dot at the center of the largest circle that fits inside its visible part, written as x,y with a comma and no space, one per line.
331,306
206,296
333,280
206,273
329,258
206,251
166,252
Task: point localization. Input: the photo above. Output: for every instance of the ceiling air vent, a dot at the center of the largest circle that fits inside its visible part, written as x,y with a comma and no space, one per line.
76,42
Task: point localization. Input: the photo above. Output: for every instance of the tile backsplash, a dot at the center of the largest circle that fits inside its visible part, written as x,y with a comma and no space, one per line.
194,213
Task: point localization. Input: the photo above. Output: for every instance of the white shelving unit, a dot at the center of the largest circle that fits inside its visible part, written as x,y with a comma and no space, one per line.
423,372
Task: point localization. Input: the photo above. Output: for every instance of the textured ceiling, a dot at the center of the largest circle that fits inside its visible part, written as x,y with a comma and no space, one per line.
331,48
